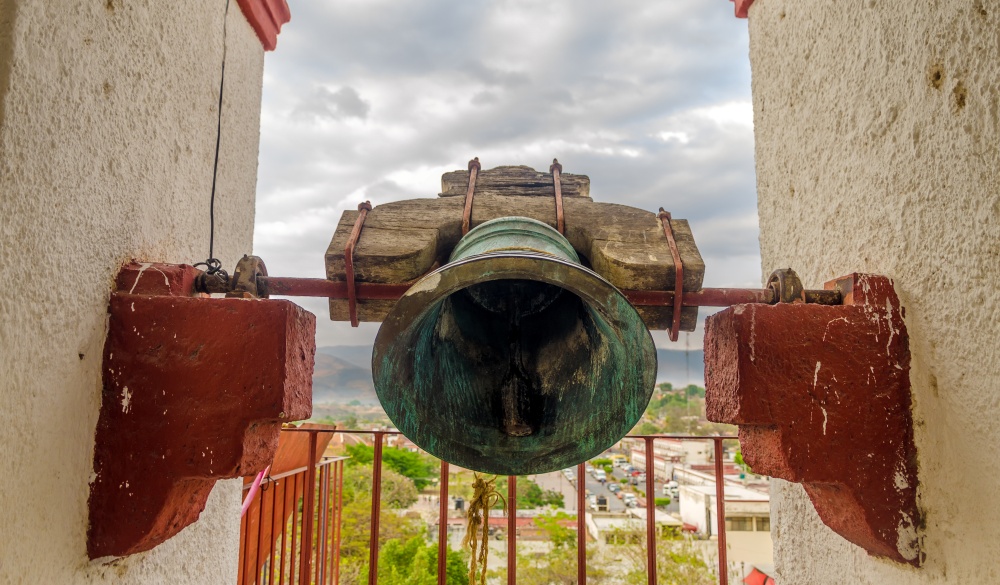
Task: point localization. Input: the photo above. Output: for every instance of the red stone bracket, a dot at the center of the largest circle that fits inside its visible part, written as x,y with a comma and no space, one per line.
266,17
195,390
822,397
742,7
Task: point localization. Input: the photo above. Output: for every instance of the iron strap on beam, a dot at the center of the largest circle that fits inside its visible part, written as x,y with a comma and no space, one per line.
352,303
678,300
474,168
556,170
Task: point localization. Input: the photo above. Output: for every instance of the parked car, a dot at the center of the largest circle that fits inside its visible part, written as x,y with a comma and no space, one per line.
630,499
614,487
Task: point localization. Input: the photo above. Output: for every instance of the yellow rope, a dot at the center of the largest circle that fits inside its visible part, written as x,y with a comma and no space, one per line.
484,497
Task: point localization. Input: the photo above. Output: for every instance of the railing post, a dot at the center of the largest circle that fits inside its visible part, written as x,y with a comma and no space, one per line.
296,532
339,518
322,509
244,560
272,539
376,510
443,526
308,506
284,528
511,529
650,514
581,524
720,507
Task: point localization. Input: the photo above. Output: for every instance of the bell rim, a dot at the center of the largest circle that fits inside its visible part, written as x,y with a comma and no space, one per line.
423,296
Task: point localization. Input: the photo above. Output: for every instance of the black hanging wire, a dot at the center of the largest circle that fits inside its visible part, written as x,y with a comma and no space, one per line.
213,265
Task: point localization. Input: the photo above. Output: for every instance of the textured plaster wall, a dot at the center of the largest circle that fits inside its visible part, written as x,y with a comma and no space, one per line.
877,150
108,116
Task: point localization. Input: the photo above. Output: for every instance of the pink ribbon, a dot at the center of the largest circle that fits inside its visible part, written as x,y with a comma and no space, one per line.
254,488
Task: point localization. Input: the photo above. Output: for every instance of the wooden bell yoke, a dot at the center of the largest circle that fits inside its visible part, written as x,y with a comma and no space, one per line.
397,243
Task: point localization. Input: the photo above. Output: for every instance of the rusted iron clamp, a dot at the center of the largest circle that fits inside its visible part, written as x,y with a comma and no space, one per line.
556,170
474,168
352,297
668,231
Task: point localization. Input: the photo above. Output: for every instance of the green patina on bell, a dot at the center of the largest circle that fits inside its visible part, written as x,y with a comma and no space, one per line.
514,358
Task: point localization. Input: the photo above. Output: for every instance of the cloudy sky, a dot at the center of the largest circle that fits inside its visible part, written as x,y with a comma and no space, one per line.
374,100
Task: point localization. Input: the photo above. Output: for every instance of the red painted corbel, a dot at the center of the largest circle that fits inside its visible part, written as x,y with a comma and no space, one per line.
195,390
822,397
266,18
742,7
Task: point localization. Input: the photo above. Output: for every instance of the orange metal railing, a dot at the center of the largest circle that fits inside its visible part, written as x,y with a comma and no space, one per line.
291,532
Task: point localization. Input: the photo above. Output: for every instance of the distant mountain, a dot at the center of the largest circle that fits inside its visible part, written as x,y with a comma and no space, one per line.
680,367
357,355
343,372
340,381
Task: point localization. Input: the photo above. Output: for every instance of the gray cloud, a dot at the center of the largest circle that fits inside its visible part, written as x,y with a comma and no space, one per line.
651,100
333,105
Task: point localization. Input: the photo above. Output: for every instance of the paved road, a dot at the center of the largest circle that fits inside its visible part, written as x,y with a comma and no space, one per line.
658,489
557,481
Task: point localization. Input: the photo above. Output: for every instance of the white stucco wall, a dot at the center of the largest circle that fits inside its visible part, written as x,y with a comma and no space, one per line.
108,116
877,151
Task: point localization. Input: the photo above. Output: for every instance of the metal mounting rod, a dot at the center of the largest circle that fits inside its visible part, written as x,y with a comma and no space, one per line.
706,297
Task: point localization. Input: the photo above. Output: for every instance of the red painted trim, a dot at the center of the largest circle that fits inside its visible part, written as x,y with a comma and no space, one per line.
266,18
195,389
742,7
822,397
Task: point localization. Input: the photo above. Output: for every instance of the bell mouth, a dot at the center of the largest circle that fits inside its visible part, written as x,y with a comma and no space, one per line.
514,385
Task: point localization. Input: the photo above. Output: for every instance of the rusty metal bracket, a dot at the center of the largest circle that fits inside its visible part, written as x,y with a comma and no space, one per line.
474,168
668,231
246,281
352,298
556,170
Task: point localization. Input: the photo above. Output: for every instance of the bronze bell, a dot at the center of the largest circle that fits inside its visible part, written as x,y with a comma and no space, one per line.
513,358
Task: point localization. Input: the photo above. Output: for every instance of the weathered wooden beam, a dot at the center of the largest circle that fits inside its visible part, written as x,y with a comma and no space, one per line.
403,240
514,180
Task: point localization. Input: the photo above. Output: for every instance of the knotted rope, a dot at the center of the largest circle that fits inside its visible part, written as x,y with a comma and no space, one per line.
484,497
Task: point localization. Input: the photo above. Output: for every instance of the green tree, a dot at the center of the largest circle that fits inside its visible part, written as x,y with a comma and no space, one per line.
559,565
646,428
530,495
678,561
421,469
350,422
738,460
405,555
414,562
398,491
